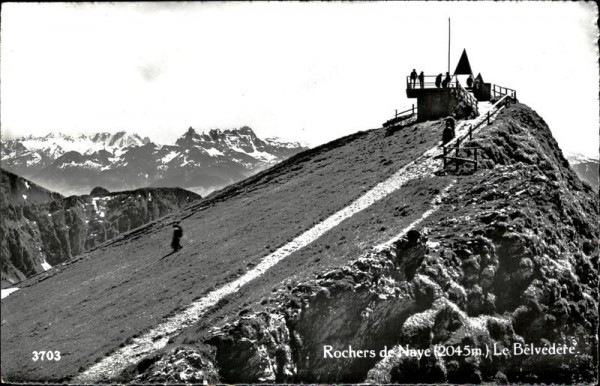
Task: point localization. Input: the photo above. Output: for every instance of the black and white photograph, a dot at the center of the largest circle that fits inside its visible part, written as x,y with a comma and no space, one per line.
299,192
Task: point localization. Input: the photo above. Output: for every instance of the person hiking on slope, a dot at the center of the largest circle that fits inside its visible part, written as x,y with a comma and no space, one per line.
177,234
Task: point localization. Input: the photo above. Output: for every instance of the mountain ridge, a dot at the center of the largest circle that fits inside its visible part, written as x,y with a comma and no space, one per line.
587,168
202,162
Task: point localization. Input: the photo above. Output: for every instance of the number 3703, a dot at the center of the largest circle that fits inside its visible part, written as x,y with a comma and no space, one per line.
45,356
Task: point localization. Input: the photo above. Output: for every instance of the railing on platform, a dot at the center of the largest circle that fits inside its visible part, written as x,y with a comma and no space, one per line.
499,91
470,99
452,84
429,82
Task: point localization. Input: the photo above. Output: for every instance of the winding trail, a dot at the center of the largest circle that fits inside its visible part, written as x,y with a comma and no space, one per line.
422,167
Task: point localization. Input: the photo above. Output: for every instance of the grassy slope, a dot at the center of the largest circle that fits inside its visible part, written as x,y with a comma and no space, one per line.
530,208
91,305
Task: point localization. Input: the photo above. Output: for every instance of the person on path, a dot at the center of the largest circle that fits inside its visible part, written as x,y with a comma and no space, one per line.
421,79
177,234
413,78
438,80
470,81
448,134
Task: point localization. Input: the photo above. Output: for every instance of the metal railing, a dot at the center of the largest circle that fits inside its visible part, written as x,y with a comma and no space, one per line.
429,82
503,91
470,99
504,101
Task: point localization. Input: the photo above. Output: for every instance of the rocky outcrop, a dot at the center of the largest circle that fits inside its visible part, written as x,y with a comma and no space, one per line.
99,191
35,237
509,263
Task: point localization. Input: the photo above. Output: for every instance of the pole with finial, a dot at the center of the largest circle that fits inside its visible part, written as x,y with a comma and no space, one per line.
448,45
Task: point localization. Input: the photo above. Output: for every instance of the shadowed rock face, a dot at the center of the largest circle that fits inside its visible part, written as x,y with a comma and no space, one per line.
55,231
16,190
510,259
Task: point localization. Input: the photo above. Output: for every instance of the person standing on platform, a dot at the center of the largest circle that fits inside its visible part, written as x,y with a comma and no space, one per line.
447,80
438,80
413,78
421,79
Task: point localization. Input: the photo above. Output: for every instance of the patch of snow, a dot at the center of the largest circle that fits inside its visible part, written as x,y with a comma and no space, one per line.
167,158
26,184
276,141
45,265
262,155
24,196
36,158
56,144
98,203
88,164
577,158
5,292
213,152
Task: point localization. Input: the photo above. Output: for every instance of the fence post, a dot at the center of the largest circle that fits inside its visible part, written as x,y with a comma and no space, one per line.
475,159
470,132
445,149
457,148
413,109
488,117
396,115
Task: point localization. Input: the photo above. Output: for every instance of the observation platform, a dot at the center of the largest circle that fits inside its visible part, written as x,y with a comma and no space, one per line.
435,102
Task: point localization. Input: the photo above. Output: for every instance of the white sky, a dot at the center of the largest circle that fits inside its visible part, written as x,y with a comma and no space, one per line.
307,71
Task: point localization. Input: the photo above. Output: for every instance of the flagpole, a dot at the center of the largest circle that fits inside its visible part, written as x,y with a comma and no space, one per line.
448,45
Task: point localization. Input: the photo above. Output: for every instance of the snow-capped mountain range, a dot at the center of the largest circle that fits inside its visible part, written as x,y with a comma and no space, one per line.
199,161
586,168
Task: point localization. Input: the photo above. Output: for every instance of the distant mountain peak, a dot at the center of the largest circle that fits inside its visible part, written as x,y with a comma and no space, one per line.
202,159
